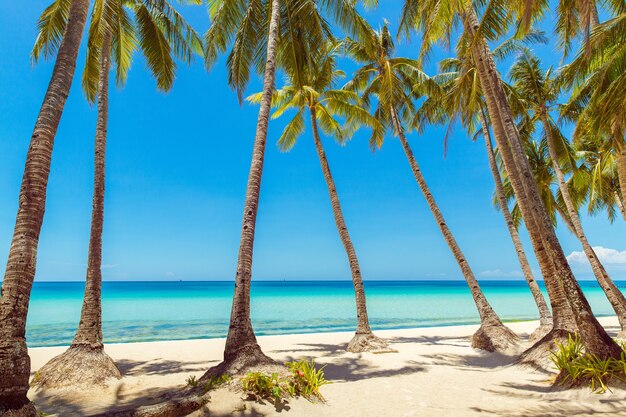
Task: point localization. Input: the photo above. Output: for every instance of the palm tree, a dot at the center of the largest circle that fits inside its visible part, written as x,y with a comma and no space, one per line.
540,92
21,265
600,184
461,98
311,89
160,32
425,16
392,82
598,95
244,25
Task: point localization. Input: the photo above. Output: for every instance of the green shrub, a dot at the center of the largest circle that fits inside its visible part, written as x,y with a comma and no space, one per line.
192,381
579,368
215,381
262,386
307,380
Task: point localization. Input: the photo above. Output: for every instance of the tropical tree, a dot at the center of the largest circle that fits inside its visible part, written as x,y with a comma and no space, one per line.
435,20
311,89
392,81
541,91
252,26
597,100
162,34
461,99
21,264
600,184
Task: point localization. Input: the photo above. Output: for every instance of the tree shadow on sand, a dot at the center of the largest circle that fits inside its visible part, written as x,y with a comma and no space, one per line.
161,366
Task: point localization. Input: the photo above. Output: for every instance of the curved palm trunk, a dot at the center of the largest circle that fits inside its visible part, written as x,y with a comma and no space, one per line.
567,221
615,296
242,350
620,205
85,362
594,337
364,339
620,158
545,318
499,340
21,265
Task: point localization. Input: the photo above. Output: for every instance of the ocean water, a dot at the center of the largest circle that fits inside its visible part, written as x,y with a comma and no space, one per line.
148,311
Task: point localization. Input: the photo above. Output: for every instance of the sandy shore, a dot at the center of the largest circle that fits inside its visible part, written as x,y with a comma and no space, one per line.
434,373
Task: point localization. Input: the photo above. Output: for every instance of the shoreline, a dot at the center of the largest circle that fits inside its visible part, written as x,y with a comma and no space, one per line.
435,372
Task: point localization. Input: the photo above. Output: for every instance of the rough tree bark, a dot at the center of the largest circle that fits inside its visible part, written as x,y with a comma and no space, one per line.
242,350
545,318
492,334
85,364
21,264
594,337
364,339
615,296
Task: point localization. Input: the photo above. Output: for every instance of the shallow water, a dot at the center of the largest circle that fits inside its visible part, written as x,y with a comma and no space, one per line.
148,311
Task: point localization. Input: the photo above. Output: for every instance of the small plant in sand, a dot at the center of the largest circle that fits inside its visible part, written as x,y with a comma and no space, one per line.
215,381
192,381
577,368
261,386
307,379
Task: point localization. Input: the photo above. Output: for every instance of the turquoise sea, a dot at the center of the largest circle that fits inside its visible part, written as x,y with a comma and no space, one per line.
147,311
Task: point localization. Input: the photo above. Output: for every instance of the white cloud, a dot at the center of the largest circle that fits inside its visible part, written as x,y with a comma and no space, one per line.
170,274
498,273
608,257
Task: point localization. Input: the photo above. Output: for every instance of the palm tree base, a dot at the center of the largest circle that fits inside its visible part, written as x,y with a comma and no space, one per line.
495,338
538,355
243,360
26,411
368,342
539,333
78,367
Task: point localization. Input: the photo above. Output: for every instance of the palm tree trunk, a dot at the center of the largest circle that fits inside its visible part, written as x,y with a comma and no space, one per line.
545,318
242,350
85,363
21,265
89,332
620,158
615,296
364,339
567,221
593,17
594,337
620,205
488,317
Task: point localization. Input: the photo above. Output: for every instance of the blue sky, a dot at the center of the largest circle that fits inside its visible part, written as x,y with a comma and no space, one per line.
177,167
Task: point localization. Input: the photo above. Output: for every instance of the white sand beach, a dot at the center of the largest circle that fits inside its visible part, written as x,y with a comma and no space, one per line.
434,373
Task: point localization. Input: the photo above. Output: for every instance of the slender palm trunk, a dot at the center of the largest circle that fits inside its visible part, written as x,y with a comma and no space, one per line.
594,337
620,205
21,265
620,157
363,338
545,318
488,316
615,296
567,221
241,343
89,332
593,14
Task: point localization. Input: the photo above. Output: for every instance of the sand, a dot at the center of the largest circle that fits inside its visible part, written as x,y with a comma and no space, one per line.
434,373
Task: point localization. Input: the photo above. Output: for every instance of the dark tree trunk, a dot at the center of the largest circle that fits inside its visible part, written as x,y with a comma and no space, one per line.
545,318
492,335
242,350
364,339
594,337
85,363
21,264
615,296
